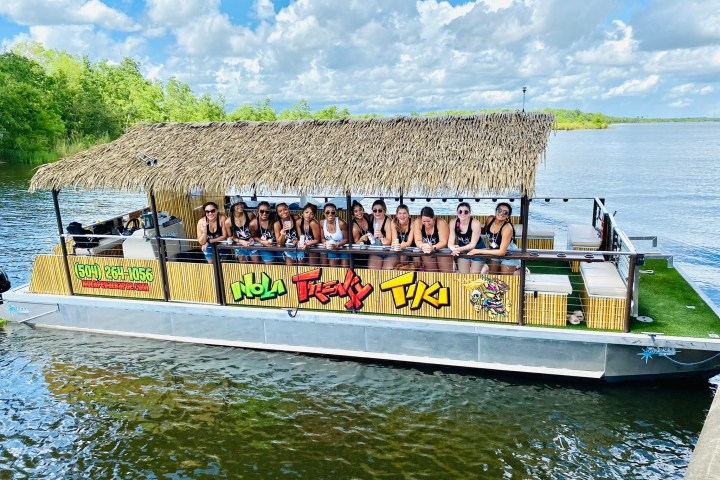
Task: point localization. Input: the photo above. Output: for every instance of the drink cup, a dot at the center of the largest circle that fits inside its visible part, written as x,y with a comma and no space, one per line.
396,245
287,224
426,247
301,243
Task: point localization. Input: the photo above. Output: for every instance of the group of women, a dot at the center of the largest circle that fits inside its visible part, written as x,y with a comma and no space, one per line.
427,232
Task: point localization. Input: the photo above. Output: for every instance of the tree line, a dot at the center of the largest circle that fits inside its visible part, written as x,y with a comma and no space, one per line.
53,103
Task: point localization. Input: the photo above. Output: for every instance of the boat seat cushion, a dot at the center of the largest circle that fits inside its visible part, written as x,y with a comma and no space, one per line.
544,231
603,280
548,283
580,235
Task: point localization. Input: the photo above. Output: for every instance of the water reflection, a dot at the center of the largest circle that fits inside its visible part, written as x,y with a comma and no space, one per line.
128,408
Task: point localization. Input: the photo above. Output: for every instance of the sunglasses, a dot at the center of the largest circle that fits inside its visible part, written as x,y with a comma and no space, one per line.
211,211
263,212
463,212
500,211
330,212
378,210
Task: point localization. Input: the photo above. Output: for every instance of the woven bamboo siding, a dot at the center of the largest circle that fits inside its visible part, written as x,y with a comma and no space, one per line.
48,275
104,283
458,306
546,309
606,313
537,243
191,282
575,266
187,207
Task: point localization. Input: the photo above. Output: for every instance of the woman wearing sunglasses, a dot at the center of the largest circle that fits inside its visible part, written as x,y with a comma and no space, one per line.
210,229
465,237
287,233
309,233
500,233
431,234
263,231
237,229
383,234
335,235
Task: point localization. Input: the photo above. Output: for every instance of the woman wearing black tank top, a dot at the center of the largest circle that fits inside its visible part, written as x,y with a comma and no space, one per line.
500,234
465,236
309,229
404,231
237,229
383,235
431,234
210,229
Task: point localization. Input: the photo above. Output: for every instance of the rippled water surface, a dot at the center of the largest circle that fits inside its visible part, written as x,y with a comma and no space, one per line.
102,407
84,406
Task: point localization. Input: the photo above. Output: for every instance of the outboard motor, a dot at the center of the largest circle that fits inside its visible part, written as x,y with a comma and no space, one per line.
4,283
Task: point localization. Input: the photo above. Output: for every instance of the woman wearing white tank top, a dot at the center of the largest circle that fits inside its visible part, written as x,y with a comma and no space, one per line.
334,235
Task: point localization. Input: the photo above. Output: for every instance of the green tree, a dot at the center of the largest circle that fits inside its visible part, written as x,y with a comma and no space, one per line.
297,111
29,113
260,112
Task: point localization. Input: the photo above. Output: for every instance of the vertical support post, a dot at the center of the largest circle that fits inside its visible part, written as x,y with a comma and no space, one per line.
162,253
524,216
63,247
595,213
217,269
401,197
632,264
348,202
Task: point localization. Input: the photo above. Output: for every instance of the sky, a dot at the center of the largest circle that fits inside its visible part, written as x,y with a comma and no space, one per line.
639,58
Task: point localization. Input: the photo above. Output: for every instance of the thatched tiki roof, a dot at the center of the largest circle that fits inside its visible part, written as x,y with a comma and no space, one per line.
471,155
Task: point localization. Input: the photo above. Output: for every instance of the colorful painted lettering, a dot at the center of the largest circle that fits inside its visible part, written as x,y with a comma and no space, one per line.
405,288
308,286
249,289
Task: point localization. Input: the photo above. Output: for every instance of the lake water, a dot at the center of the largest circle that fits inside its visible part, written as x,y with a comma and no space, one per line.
76,405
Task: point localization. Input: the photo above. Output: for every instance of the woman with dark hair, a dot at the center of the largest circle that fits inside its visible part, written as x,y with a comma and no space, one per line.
465,237
263,231
431,234
210,229
237,229
335,235
309,230
286,232
500,233
383,236
361,228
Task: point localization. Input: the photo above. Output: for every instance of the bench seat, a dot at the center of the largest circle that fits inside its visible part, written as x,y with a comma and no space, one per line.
104,244
603,296
546,299
584,238
539,237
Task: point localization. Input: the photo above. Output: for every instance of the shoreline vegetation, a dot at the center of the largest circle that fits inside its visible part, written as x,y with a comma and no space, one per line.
54,104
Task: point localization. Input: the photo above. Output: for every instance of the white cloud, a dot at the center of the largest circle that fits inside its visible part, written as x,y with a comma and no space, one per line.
264,9
402,56
637,86
67,12
618,49
690,89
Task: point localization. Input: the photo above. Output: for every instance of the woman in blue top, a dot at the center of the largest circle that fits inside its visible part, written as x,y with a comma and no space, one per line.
500,233
465,236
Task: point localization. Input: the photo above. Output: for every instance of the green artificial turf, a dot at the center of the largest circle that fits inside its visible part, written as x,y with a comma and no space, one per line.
665,297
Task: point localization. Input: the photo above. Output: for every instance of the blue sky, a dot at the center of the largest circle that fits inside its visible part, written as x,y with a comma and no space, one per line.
635,58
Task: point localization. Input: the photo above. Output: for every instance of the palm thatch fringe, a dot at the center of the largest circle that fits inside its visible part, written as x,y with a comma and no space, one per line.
480,154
